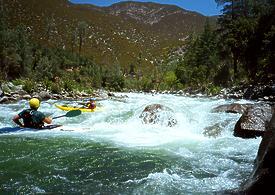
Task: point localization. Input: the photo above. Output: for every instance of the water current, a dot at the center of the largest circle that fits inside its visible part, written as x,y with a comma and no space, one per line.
112,152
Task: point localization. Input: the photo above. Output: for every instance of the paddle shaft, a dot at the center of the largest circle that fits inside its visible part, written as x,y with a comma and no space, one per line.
71,113
59,116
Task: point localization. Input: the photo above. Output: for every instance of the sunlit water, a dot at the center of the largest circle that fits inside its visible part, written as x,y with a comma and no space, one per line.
113,152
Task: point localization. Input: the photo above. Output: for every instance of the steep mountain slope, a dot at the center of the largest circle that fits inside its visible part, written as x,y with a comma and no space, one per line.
125,33
168,20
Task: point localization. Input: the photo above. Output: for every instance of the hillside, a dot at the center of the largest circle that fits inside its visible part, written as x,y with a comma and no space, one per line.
168,20
124,33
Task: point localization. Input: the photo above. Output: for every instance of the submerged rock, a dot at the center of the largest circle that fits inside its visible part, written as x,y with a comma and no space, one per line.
216,129
213,131
158,114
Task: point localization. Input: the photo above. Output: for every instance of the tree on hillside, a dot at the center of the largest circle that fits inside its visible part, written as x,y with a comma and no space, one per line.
200,60
232,30
50,27
82,27
245,28
260,52
23,50
72,37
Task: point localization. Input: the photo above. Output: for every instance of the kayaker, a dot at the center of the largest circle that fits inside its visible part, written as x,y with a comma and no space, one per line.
32,117
91,104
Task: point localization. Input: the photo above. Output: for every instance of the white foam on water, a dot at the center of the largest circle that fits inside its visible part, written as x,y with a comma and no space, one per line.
223,159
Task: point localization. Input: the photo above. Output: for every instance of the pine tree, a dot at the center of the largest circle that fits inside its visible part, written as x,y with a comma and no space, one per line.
82,27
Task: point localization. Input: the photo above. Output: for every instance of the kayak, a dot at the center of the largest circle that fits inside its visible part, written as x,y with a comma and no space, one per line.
69,108
19,129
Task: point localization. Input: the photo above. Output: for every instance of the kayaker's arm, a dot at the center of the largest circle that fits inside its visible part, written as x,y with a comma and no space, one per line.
47,120
17,121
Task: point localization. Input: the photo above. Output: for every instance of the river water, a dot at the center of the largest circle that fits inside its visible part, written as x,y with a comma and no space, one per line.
112,152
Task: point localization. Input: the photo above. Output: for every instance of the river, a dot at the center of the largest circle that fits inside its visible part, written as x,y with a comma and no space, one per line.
112,152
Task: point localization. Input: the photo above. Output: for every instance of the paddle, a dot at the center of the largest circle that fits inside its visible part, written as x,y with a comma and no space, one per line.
71,113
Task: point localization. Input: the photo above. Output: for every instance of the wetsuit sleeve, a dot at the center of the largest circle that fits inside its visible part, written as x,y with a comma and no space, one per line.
41,116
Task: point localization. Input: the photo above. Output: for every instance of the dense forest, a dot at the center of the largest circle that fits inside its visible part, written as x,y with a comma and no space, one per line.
239,49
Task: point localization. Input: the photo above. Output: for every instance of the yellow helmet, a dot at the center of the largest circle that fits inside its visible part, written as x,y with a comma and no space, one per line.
34,103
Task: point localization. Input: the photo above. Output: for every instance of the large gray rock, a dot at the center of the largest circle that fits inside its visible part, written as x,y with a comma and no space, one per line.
262,178
253,122
44,95
158,114
232,108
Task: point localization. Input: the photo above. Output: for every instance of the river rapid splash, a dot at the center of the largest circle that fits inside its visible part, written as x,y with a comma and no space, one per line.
112,152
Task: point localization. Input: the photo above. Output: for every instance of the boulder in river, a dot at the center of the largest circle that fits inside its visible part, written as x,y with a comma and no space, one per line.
253,122
216,129
263,175
158,114
232,108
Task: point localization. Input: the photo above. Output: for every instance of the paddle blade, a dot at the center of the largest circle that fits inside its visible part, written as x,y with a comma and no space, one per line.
73,113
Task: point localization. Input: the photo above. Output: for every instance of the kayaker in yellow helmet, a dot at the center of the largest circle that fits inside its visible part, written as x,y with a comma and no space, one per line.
31,117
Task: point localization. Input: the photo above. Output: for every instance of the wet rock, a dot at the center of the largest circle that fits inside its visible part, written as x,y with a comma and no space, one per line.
158,114
7,99
56,96
215,130
36,96
110,94
26,97
232,108
84,94
263,175
45,95
4,99
16,95
253,122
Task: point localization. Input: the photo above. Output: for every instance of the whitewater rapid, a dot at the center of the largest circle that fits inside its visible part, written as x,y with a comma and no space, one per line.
198,163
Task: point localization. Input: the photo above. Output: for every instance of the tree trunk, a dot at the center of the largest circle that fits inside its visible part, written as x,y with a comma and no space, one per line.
235,67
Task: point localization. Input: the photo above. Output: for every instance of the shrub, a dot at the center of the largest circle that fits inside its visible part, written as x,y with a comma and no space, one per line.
56,88
29,86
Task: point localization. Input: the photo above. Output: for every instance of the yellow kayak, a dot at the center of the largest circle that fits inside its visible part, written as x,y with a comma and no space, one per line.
68,108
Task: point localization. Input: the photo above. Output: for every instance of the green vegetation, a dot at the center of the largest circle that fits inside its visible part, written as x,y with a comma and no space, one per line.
239,49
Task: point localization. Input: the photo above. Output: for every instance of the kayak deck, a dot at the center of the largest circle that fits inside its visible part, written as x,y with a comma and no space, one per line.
69,108
19,129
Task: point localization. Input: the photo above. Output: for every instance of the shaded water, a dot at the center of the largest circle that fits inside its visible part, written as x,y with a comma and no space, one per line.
112,152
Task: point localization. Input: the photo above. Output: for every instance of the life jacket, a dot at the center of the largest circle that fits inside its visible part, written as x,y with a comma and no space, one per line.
30,120
91,105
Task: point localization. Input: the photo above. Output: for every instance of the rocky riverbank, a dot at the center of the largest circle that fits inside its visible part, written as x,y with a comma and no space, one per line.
11,93
258,92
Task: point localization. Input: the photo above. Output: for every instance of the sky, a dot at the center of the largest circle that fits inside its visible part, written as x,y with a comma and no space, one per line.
205,7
